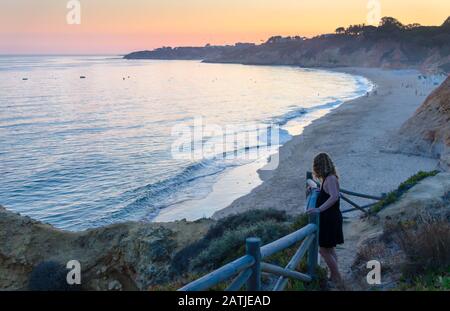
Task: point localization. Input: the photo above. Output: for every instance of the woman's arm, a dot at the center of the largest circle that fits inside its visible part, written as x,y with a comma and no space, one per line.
331,186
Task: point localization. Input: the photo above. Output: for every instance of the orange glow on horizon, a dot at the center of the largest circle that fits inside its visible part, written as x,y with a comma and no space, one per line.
28,26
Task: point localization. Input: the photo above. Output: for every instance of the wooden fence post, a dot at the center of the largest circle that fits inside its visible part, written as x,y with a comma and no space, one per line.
313,251
253,246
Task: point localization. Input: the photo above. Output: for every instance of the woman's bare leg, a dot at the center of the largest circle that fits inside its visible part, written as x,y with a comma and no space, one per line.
327,254
333,252
341,284
328,258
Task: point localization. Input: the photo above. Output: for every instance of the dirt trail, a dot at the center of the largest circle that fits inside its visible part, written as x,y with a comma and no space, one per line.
355,231
357,136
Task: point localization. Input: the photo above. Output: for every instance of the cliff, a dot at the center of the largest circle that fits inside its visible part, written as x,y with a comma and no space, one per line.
391,45
127,256
427,132
341,51
186,53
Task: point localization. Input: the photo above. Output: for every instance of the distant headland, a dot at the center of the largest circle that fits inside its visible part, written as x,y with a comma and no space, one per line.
390,45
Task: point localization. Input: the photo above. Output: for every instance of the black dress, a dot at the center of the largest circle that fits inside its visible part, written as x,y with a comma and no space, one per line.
330,225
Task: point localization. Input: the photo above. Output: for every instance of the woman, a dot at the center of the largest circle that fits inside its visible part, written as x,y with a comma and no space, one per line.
330,225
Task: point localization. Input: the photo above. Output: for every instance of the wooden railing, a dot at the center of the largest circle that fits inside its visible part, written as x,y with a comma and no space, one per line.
247,269
362,208
344,196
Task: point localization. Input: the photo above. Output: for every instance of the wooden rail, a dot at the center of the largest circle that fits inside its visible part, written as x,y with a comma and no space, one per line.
362,208
361,195
247,269
344,193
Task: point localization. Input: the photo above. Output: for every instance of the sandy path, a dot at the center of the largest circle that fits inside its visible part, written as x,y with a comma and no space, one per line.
356,135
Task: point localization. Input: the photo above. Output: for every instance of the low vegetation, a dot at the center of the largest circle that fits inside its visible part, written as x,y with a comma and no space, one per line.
395,195
214,249
414,247
414,254
232,243
426,245
438,280
225,242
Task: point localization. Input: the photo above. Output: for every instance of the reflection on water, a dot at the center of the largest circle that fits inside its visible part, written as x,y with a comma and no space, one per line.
81,153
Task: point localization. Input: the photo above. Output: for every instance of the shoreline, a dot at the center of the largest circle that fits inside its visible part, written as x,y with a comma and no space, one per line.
135,200
282,189
356,134
240,181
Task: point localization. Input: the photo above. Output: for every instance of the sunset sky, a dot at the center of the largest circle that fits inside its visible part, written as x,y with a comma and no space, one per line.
120,26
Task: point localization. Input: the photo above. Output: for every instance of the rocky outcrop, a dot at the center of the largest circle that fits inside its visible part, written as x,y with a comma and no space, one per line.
427,132
126,256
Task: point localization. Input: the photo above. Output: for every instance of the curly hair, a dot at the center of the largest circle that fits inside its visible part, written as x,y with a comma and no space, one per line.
323,166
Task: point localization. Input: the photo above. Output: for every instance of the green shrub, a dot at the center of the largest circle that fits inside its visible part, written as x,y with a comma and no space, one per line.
427,246
319,284
181,261
299,222
225,242
431,281
393,196
415,179
232,244
246,218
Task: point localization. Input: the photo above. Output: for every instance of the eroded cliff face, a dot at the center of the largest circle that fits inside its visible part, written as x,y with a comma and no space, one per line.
127,256
391,45
427,132
336,51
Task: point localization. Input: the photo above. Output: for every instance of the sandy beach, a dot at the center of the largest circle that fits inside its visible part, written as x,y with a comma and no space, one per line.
357,136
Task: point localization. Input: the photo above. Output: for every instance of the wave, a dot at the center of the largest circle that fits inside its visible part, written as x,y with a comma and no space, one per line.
290,115
146,201
362,87
299,112
153,197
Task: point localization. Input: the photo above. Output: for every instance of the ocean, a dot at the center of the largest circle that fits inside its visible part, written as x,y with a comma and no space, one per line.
87,141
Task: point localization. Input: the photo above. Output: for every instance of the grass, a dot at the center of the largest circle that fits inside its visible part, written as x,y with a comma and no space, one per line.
395,195
427,246
232,244
319,284
225,241
416,247
435,280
